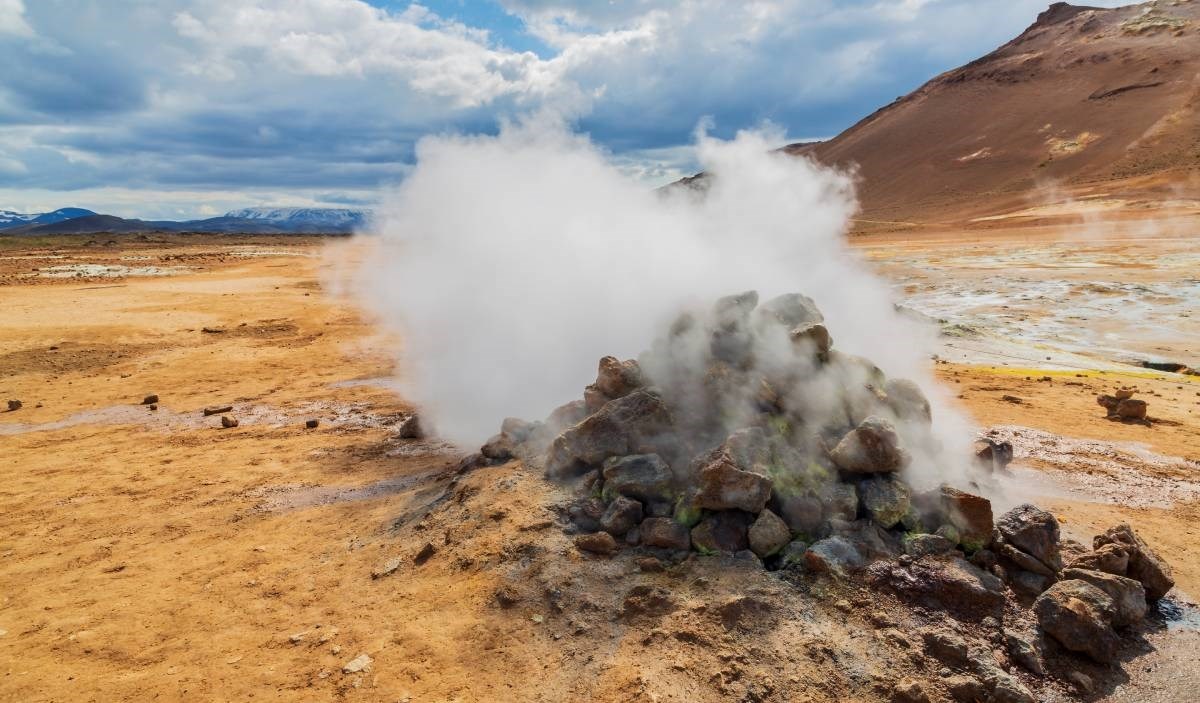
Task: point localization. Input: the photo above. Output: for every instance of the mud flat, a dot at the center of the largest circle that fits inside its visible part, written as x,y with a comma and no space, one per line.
152,553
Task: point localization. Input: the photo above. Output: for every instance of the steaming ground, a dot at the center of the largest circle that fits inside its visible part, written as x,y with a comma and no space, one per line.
511,263
147,556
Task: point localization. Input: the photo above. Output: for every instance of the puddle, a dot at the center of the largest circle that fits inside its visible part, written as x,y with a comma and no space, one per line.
108,271
1113,473
287,498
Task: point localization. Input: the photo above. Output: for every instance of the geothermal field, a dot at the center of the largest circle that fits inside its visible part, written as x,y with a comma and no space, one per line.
908,414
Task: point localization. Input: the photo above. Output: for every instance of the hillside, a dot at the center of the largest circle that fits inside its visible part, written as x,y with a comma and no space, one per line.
1101,105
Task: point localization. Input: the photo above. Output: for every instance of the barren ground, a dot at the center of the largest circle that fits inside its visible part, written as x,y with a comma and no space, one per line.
152,555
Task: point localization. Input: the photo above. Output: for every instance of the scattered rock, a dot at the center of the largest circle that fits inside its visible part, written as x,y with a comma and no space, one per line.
1026,651
585,513
814,336
499,448
768,534
1078,616
627,425
424,554
924,545
1132,409
802,514
906,400
725,484
597,543
965,689
909,691
14,405
885,500
358,664
1144,565
217,410
1081,681
872,447
665,533
228,422
649,565
833,555
387,568
150,399
312,424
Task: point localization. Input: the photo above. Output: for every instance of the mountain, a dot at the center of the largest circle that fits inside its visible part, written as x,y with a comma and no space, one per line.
1089,109
1087,103
10,219
339,218
246,221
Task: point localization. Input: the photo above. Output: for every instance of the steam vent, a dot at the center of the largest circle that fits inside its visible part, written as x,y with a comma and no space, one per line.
743,433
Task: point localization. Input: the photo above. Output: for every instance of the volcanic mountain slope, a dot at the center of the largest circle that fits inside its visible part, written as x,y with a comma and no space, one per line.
1086,103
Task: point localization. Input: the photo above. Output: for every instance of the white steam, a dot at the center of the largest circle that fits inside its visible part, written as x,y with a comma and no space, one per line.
512,263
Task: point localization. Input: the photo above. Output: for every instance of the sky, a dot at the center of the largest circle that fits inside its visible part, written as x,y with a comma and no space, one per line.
177,109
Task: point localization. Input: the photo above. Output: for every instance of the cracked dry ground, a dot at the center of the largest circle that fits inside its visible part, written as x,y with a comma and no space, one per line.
150,555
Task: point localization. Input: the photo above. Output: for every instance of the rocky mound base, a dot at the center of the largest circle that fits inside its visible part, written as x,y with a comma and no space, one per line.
743,432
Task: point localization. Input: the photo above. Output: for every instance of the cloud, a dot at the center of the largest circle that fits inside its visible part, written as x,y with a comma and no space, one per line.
331,95
12,19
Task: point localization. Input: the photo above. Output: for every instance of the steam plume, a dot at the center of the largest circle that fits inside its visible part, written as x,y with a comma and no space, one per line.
511,263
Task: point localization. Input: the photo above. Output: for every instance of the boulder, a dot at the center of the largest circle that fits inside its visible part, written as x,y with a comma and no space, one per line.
993,455
596,543
665,533
1026,650
907,401
621,516
585,513
872,447
944,582
1131,409
1033,531
1027,583
1128,596
813,338
803,514
925,545
1024,561
970,514
617,379
1144,565
835,555
1079,616
566,415
1109,558
885,500
768,534
410,428
499,448
726,531
627,425
724,481
791,310
645,477
841,501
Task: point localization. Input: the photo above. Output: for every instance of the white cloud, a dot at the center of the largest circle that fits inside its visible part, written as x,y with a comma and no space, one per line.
12,18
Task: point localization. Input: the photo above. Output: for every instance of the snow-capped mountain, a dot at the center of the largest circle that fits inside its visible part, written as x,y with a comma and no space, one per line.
17,219
311,217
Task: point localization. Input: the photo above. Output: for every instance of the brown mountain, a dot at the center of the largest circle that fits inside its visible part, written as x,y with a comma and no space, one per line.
1098,108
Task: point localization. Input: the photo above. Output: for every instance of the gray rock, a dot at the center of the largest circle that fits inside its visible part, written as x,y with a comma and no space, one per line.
791,310
768,534
645,477
803,514
665,533
621,516
1144,565
841,501
585,513
722,532
1033,531
410,428
1079,616
499,448
872,447
946,647
625,426
1026,650
1129,597
885,500
813,338
1023,560
833,555
907,401
1027,583
597,543
793,553
1006,688
923,545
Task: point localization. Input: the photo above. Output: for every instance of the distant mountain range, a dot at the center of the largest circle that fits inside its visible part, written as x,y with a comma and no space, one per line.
245,221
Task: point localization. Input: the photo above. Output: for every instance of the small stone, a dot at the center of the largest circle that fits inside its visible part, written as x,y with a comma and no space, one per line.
909,691
217,410
360,663
150,400
1109,558
649,565
597,543
665,533
426,552
885,500
387,568
1079,615
923,545
228,422
965,689
153,406
621,516
298,637
312,424
725,531
14,405
410,428
1082,682
768,534
872,447
833,555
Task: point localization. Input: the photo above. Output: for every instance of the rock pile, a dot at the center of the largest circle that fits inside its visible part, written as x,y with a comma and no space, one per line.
743,431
